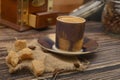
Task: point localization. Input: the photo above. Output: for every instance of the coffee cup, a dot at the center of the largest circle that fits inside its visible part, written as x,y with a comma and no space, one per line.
69,33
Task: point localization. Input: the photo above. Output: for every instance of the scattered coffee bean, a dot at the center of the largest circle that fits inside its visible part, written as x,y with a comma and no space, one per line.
32,47
76,65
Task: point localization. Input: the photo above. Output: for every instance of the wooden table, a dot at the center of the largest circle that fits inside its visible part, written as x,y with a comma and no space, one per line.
105,64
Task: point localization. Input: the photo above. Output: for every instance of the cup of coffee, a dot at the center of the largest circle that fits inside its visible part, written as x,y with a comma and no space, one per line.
69,33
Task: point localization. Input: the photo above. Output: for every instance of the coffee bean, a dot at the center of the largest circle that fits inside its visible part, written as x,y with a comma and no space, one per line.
76,65
32,47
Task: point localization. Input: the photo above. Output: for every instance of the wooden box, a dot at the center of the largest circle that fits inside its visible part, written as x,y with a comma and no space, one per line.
24,14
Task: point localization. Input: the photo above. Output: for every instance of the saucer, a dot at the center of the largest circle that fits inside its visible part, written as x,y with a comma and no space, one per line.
48,43
55,48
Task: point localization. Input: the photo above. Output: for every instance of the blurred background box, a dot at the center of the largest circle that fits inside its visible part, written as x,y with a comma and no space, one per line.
66,6
17,13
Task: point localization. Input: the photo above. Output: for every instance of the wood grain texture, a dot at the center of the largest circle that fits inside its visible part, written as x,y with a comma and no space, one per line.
45,19
105,63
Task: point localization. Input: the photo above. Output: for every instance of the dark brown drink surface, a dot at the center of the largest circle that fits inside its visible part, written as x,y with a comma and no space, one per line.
71,19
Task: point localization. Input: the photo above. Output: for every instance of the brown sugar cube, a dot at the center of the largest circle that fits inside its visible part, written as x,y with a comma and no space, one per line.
38,67
25,53
10,54
20,44
12,58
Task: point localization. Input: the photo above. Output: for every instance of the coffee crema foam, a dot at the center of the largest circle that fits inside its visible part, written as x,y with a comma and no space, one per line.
71,19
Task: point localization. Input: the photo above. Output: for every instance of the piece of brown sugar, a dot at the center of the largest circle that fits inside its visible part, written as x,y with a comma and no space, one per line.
12,58
38,67
20,44
25,54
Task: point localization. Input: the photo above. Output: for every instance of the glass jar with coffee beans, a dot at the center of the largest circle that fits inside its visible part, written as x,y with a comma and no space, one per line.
111,16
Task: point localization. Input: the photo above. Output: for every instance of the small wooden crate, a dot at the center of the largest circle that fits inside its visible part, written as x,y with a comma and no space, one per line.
24,14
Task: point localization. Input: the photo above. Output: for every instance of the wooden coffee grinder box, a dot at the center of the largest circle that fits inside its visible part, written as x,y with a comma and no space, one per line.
24,14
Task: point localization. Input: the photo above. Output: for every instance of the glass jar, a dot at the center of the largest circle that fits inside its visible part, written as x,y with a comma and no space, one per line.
111,16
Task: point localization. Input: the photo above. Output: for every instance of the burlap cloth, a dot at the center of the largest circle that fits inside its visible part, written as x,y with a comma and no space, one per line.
51,61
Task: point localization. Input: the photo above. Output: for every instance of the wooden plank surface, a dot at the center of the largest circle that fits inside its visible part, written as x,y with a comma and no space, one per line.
105,63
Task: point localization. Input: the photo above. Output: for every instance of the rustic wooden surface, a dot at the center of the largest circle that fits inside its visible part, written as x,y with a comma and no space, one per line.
105,63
